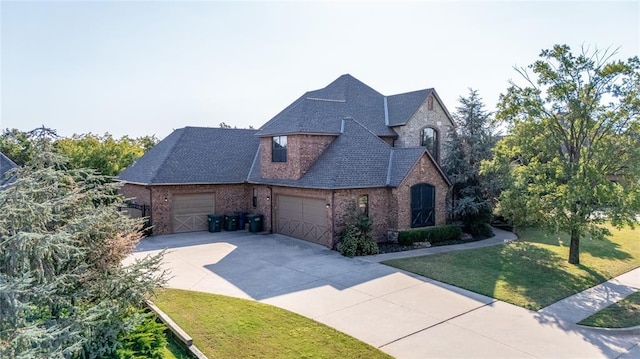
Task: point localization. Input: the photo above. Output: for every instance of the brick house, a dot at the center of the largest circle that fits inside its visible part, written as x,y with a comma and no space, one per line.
345,143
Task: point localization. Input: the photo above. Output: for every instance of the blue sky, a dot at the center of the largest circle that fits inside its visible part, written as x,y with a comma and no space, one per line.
143,68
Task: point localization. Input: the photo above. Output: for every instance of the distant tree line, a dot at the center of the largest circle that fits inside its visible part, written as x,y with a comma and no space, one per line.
106,154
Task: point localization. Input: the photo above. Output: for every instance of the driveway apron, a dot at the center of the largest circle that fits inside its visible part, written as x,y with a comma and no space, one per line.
403,314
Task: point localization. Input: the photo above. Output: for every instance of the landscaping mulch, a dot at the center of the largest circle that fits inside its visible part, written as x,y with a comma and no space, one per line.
391,247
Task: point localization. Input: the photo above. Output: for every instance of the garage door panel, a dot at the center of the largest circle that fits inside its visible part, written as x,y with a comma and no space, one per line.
304,218
190,211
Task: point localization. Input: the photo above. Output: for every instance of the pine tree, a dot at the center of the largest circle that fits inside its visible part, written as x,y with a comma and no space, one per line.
64,292
469,144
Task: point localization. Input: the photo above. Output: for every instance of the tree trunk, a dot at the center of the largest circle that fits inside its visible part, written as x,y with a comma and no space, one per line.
574,248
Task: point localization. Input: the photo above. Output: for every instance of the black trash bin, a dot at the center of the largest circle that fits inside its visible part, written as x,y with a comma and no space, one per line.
231,222
255,223
215,223
242,220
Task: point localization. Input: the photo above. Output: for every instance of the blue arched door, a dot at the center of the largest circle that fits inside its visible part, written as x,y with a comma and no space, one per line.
423,200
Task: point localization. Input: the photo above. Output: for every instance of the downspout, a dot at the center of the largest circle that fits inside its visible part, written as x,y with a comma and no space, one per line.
333,217
271,209
150,208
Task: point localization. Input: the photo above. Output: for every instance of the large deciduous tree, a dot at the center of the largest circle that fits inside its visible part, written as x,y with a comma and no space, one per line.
572,159
64,291
106,154
471,143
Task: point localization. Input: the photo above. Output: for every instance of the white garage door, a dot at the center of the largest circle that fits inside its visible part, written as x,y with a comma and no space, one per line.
304,218
190,211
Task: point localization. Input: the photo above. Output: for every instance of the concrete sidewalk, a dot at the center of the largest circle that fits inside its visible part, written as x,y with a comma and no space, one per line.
500,237
403,314
582,305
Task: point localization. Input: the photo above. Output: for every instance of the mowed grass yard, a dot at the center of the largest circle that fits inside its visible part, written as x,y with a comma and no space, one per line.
623,314
533,271
225,327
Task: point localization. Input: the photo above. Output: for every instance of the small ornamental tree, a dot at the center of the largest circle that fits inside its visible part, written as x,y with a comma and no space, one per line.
572,158
64,291
356,238
470,144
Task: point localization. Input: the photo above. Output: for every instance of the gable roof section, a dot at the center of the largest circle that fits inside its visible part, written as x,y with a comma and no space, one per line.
355,159
6,164
403,106
322,111
196,155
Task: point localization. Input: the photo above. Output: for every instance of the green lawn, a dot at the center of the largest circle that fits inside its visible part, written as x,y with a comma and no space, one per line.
624,314
174,350
225,327
532,272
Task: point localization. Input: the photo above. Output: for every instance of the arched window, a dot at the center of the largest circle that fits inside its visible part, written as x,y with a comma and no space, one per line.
429,139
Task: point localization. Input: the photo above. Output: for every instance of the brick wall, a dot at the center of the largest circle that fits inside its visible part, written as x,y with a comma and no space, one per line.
138,193
380,209
228,198
302,152
424,172
409,135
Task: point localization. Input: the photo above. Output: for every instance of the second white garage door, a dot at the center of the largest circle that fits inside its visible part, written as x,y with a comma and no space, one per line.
304,218
190,211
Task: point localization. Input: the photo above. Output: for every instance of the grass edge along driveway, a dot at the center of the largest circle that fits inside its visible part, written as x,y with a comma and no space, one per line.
531,272
226,327
623,314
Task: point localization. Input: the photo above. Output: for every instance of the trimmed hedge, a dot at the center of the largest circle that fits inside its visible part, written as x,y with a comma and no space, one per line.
430,234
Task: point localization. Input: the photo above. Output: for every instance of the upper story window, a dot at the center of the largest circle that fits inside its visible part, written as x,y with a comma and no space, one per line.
363,204
429,139
279,149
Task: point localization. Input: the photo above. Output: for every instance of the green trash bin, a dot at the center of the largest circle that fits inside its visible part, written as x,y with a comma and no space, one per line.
231,221
215,223
255,223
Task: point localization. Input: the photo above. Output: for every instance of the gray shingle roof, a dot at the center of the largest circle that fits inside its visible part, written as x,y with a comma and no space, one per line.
6,164
322,111
355,159
401,107
196,155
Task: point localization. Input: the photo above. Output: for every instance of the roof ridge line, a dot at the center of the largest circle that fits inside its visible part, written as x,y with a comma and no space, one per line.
386,112
366,129
184,130
389,167
253,164
293,105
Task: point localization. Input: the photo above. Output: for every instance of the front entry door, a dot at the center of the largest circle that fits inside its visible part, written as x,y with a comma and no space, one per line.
423,199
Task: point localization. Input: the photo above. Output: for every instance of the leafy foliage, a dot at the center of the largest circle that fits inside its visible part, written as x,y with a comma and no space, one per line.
470,144
146,341
105,154
64,291
430,234
574,147
356,238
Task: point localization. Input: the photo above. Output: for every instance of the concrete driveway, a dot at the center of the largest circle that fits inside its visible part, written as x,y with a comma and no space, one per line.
403,314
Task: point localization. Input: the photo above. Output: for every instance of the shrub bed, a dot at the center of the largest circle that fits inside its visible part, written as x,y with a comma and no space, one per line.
431,234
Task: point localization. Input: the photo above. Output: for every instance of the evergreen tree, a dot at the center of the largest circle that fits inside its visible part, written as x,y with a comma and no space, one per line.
64,292
469,144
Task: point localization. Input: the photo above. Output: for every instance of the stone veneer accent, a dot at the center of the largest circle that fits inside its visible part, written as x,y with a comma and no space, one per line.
423,172
409,135
302,152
